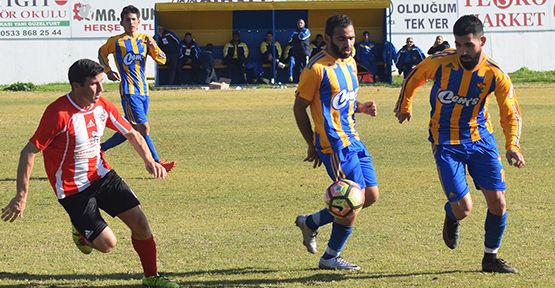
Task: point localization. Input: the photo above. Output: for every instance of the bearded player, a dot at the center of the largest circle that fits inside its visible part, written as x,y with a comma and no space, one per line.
462,134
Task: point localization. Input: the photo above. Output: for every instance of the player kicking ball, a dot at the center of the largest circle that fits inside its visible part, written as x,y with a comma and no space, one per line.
68,136
462,135
329,86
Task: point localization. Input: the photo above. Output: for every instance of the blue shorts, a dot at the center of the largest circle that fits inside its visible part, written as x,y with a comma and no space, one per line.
483,162
135,108
353,163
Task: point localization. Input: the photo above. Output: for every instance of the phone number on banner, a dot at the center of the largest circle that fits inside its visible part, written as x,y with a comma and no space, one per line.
33,33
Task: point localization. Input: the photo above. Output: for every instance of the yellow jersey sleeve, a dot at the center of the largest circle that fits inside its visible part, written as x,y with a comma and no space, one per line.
153,50
423,72
509,111
108,48
309,83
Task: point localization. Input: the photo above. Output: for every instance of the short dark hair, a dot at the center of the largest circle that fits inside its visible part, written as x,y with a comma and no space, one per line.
188,34
365,32
83,68
129,9
270,32
337,21
468,24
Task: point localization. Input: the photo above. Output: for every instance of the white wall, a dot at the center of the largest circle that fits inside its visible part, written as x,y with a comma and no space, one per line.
47,61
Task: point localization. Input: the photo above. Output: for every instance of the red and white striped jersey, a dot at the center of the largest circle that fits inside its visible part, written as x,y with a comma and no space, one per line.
69,137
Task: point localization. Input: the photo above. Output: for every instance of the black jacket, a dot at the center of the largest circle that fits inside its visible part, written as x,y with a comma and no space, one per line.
438,48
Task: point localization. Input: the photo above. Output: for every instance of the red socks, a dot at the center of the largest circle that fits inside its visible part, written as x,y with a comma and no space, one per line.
147,252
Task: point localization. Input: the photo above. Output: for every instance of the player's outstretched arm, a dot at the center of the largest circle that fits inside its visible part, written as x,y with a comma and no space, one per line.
515,158
303,122
139,144
15,208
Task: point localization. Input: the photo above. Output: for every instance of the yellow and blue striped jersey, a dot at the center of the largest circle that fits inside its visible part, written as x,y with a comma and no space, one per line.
331,85
130,55
459,99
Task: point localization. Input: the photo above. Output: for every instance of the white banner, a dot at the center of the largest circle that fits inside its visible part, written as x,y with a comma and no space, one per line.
100,18
415,17
439,16
512,15
48,19
31,19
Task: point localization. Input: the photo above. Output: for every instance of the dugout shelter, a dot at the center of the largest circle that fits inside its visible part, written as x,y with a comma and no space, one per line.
214,22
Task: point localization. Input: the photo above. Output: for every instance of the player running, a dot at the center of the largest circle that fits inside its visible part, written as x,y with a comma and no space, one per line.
462,134
69,135
329,86
130,50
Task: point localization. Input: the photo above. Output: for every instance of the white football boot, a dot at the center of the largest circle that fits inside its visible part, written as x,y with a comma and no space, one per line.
309,235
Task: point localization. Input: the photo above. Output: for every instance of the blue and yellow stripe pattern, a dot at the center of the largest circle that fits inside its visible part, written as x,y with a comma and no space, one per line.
331,85
459,100
130,55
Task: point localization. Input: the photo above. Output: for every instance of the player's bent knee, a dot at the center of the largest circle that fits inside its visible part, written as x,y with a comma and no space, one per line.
371,195
496,201
463,207
105,244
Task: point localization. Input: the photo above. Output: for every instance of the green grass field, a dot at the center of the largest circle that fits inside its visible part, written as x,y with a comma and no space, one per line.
224,217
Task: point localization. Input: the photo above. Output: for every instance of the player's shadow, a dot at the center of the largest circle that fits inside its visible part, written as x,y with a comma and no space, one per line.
33,280
32,178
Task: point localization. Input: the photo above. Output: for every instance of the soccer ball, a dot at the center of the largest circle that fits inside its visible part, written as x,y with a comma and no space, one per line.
343,197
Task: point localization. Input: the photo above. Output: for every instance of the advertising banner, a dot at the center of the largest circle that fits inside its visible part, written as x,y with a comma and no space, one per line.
512,15
100,18
439,16
51,19
31,19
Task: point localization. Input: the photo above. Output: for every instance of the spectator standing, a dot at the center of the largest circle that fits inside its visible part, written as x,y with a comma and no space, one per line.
389,55
439,45
170,44
300,46
408,57
366,53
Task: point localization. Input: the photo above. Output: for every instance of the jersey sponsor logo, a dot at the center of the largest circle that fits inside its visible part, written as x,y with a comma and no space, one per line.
91,124
129,58
482,87
448,97
342,98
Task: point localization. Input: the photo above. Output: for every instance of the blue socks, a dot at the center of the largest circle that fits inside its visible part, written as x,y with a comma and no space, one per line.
494,227
114,141
118,138
318,219
339,235
449,212
152,149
